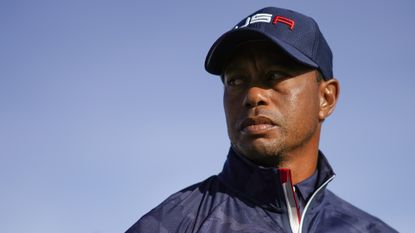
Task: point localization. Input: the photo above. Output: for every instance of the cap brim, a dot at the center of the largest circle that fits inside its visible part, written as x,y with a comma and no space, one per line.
223,47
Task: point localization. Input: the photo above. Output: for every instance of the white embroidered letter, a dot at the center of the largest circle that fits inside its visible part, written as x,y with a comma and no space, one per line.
246,23
265,18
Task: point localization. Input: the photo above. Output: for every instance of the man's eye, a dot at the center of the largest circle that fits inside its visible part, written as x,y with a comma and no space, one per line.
234,82
274,76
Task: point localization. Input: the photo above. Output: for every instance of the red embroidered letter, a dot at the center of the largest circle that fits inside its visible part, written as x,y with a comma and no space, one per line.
284,20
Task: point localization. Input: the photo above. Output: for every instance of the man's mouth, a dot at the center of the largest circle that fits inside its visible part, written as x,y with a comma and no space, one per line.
257,125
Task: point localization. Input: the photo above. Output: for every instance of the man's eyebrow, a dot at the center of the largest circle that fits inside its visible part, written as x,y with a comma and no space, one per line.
276,62
288,65
282,61
232,67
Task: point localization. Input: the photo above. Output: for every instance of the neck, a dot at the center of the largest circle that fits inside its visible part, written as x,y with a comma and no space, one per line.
302,160
301,165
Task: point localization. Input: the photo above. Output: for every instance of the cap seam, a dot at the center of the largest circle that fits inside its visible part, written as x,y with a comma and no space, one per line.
316,42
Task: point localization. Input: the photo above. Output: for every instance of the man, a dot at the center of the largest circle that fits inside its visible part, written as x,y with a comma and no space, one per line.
276,68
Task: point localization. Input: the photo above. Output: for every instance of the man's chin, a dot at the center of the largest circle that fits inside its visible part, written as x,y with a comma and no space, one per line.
260,152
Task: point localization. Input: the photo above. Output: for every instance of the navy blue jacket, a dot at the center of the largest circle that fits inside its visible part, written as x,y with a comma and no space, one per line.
245,197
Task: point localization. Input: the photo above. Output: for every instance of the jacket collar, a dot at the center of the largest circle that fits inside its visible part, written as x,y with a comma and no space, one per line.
261,185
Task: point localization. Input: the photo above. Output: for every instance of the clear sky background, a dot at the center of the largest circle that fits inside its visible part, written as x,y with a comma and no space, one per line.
106,110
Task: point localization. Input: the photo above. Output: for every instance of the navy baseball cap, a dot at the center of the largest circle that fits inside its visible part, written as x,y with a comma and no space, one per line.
296,34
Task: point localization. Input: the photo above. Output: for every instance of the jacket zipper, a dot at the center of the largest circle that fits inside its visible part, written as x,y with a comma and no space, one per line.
307,206
293,208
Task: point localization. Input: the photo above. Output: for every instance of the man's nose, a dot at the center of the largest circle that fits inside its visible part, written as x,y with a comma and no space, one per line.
255,96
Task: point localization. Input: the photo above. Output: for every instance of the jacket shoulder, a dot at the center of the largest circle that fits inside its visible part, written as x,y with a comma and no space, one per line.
355,218
182,211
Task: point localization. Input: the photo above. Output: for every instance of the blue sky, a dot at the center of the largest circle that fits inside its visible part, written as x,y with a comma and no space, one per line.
106,110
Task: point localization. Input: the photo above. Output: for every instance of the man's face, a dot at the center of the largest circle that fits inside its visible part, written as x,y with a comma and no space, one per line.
271,103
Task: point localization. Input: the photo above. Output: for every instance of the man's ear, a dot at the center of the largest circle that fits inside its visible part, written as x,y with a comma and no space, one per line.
329,94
